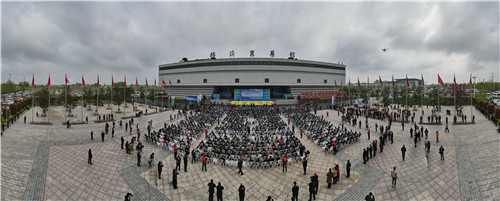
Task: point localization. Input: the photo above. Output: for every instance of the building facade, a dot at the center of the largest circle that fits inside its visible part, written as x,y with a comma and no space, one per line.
223,76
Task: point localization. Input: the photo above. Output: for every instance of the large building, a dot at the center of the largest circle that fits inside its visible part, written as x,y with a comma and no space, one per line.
224,77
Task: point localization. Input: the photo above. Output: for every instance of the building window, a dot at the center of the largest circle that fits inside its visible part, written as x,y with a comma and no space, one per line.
237,80
178,81
204,80
326,82
298,80
266,80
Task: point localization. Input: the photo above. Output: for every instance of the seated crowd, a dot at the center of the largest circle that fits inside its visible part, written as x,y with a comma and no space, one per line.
254,134
329,137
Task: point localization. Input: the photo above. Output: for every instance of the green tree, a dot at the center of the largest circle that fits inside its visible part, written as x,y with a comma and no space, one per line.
69,98
43,98
8,87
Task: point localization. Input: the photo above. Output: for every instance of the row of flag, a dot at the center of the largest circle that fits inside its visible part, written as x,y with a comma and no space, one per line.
440,81
112,81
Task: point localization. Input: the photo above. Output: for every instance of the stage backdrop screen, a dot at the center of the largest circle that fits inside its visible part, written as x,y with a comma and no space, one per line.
252,94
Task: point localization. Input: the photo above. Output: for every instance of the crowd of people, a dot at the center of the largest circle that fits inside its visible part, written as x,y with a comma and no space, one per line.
253,134
329,137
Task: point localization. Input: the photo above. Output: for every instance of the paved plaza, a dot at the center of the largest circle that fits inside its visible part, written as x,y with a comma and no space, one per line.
49,162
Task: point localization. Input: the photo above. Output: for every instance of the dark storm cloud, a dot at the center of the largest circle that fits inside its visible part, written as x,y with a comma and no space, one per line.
132,38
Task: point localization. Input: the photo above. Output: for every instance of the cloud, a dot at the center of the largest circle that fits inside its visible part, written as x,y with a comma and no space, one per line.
133,38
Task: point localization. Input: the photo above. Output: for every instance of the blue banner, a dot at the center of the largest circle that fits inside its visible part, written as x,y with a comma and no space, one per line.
191,98
252,94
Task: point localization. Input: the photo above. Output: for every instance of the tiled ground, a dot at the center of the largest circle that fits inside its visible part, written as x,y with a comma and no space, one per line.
50,163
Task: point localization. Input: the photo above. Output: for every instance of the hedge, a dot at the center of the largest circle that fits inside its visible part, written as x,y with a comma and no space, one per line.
497,113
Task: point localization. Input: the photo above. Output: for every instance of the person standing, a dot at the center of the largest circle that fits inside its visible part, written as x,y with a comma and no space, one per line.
102,136
178,163
241,192
441,152
122,140
91,135
174,178
175,150
403,151
304,165
285,160
437,136
185,159
240,165
138,134
204,163
370,197
113,132
220,188
295,192
138,158
90,157
315,182
151,158
365,153
329,176
311,191
211,190
337,170
368,134
348,168
394,176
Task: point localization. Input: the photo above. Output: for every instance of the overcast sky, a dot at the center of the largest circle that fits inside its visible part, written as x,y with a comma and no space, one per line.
132,38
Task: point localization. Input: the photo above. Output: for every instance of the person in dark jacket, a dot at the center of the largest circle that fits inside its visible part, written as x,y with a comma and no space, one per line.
329,176
178,163
315,182
370,197
403,151
90,157
160,168
138,158
211,190
102,136
128,197
220,188
312,195
91,135
174,178
185,158
240,165
348,169
295,192
241,191
304,165
122,140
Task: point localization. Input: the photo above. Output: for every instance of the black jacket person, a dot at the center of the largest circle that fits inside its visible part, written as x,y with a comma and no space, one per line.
241,191
211,190
220,188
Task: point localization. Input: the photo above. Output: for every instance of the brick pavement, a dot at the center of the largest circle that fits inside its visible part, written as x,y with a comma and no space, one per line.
50,163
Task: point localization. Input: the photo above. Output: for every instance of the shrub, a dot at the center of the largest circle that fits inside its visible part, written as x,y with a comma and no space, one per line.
497,113
484,105
490,108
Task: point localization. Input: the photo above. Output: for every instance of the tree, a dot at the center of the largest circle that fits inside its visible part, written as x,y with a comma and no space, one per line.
23,85
43,98
8,87
69,98
87,95
434,96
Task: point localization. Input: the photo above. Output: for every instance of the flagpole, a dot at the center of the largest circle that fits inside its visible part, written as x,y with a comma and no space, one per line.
423,88
125,103
48,109
33,100
439,94
112,99
65,101
454,93
83,101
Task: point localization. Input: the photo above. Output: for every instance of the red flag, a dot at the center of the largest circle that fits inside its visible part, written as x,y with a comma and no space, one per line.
454,80
170,82
380,79
146,82
125,81
407,83
66,79
83,81
359,84
393,81
349,81
33,81
368,78
440,81
136,83
112,81
423,83
164,82
335,82
155,82
470,81
97,80
48,83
